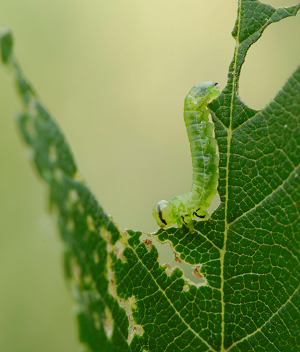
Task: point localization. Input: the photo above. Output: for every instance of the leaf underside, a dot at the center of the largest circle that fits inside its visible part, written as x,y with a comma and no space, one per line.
248,252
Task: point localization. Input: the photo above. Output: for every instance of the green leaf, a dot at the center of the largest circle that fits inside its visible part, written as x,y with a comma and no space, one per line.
6,44
247,253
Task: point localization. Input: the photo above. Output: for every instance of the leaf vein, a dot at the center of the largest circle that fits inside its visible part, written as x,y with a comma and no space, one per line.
272,316
175,309
295,171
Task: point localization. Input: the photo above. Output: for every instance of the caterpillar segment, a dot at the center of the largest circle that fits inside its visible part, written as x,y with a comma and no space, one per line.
181,210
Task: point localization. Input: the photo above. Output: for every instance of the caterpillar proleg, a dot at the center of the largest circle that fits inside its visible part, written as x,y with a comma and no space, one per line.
193,205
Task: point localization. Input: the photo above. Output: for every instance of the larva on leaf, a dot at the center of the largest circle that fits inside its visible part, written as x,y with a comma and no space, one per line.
181,210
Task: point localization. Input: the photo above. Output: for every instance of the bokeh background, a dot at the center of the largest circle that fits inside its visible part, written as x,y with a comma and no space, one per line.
114,74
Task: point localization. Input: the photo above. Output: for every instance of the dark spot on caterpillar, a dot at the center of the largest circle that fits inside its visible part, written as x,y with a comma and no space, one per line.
215,83
160,215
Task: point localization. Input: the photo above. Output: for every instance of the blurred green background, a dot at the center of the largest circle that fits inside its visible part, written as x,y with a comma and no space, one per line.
114,74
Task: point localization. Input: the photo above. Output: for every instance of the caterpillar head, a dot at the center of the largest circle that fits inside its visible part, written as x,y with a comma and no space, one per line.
162,213
207,89
201,94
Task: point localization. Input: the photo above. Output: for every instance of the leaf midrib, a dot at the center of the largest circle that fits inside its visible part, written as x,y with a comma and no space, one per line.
229,136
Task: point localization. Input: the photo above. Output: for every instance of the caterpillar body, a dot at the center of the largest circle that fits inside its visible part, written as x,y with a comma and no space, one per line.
193,205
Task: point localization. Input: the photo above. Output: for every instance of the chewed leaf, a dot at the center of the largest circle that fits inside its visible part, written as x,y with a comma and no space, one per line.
246,255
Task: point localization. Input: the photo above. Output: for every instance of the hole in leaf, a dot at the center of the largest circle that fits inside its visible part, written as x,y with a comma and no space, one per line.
214,204
168,257
281,3
52,153
108,323
270,62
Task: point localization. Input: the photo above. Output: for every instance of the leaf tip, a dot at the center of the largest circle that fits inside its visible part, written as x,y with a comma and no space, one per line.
6,44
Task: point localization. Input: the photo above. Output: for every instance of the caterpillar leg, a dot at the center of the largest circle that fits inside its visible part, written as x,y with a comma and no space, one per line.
187,221
201,216
182,218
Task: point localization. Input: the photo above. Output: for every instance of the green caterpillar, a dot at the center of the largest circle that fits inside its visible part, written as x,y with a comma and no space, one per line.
182,209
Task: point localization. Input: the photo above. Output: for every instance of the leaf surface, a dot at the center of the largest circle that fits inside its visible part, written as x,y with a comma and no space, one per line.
247,253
